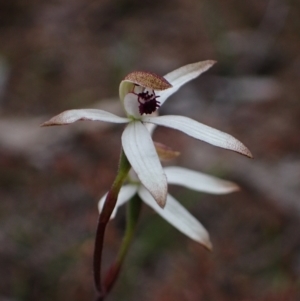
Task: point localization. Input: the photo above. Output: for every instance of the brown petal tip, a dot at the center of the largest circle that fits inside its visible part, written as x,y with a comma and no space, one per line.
248,154
208,246
47,123
56,120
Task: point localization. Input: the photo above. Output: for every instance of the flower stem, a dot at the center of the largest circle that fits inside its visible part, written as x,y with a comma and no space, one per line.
109,205
133,212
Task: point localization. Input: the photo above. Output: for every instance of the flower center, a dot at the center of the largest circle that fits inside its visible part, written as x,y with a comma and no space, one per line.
148,102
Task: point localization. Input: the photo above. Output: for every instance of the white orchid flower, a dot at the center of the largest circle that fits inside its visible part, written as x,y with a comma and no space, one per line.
141,94
174,212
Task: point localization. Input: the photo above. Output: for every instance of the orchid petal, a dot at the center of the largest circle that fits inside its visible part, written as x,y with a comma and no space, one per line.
131,105
200,131
181,76
179,217
140,151
71,116
198,181
150,126
125,194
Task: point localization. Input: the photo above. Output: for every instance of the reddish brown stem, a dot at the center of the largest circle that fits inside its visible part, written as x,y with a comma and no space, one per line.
109,205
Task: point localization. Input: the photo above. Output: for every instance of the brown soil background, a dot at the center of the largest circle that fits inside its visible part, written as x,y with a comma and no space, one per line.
57,55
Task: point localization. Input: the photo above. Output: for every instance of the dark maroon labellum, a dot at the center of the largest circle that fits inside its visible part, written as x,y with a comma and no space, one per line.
148,102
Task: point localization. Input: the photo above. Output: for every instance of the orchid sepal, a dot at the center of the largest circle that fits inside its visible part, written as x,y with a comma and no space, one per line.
200,131
71,116
140,151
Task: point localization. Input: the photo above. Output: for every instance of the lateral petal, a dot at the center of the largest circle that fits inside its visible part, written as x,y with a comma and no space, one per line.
181,76
131,105
198,181
179,217
125,194
140,151
200,131
71,116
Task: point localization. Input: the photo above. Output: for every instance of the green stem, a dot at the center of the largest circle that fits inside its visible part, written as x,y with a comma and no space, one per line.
133,212
109,205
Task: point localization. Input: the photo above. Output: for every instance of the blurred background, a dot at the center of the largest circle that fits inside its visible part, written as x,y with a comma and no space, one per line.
57,55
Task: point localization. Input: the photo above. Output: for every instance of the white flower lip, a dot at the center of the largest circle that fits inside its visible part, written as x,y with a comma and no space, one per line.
131,107
137,144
